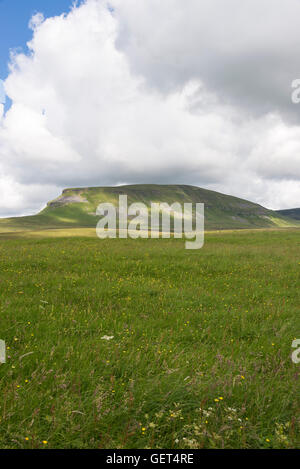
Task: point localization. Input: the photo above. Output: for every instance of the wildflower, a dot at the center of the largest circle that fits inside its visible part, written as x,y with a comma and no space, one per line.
107,337
45,442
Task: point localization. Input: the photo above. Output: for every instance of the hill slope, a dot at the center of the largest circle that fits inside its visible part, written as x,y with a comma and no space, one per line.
76,208
291,213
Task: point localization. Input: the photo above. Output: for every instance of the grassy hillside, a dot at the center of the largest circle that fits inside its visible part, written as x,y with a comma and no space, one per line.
76,208
291,213
199,354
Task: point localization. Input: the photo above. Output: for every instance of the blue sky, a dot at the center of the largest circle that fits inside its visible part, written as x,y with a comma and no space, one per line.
14,19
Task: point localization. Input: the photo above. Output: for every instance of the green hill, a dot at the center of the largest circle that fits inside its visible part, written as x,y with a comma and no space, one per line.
76,208
291,213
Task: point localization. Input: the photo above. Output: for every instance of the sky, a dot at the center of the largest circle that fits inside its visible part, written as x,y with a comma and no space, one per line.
15,32
14,19
144,91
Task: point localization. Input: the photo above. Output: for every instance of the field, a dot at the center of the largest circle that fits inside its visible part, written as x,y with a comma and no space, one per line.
143,344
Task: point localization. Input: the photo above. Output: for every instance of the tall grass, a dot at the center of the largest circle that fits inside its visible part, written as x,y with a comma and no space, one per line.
201,349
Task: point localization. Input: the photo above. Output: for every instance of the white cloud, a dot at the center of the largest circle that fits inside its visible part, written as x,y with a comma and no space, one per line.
246,52
91,106
2,92
36,21
23,199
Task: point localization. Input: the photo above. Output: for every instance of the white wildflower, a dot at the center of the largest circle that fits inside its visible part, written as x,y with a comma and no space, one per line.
107,337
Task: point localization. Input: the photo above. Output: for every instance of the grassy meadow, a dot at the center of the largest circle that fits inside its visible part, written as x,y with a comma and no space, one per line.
143,344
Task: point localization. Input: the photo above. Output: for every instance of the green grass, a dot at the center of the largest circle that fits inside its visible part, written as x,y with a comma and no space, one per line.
201,354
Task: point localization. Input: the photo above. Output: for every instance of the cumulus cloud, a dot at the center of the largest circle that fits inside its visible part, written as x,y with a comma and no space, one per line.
2,92
19,199
2,99
245,52
153,92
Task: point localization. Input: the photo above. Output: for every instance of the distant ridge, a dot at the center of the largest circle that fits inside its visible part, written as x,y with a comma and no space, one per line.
76,208
291,213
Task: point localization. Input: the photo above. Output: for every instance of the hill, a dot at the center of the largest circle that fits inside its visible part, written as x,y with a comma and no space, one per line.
76,208
291,213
